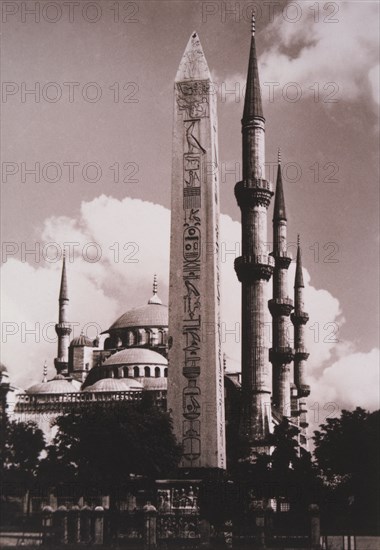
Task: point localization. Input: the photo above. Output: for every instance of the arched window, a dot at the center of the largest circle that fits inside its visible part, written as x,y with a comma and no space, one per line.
136,372
166,372
147,372
157,372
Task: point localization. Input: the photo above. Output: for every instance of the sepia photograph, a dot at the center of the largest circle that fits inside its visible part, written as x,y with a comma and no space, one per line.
190,274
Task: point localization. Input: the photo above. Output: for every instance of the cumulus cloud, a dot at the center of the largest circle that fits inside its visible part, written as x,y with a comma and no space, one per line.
109,277
316,50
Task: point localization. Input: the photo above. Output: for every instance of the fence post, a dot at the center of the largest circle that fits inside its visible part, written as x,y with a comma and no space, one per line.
315,527
98,525
150,526
61,515
75,523
85,524
47,523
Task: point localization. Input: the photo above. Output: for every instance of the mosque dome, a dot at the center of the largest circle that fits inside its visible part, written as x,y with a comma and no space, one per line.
82,341
59,384
135,356
115,384
153,314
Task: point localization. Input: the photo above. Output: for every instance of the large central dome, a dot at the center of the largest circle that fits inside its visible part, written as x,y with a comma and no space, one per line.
151,315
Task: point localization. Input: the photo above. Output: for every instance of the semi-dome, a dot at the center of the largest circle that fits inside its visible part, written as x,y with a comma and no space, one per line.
59,384
135,356
115,384
154,384
82,341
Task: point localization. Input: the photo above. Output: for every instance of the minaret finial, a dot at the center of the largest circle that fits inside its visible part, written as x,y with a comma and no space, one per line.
279,156
44,379
155,299
253,23
298,240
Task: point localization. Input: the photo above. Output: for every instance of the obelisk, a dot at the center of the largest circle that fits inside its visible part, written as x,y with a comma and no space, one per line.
195,378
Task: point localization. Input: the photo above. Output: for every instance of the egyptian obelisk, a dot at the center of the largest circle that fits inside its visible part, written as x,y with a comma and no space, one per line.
195,380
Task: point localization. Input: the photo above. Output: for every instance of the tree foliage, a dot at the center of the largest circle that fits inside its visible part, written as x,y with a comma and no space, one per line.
106,444
23,445
347,450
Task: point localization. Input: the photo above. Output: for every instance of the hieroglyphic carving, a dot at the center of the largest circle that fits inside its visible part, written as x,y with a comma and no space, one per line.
191,320
191,181
193,98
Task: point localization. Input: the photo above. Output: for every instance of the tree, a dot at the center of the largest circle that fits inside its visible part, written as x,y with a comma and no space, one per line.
24,442
347,450
104,446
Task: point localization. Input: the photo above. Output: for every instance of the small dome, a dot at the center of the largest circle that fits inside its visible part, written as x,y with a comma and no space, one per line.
115,384
154,384
136,356
82,341
59,384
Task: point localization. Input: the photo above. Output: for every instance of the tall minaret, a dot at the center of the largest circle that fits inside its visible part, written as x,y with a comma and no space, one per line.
195,378
254,268
299,320
281,354
62,328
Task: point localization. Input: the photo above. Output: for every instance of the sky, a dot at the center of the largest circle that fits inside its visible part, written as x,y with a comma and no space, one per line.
97,132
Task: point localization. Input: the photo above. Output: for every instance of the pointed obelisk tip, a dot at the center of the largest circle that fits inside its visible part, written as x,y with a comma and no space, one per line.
193,65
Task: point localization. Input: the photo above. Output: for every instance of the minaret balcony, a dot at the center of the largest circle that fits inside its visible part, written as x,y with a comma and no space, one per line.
303,390
280,306
282,261
301,354
63,329
254,268
299,318
281,355
253,192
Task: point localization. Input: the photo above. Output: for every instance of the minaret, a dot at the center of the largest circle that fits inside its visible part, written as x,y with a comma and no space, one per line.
281,354
254,268
299,320
195,377
62,328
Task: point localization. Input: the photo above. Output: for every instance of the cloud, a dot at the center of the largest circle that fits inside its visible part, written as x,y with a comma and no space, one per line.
132,242
316,51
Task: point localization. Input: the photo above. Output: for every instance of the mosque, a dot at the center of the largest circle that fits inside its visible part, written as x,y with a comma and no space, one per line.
140,354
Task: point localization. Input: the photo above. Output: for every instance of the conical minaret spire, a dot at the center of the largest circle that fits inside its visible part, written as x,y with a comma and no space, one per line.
254,268
279,211
280,306
62,328
253,105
